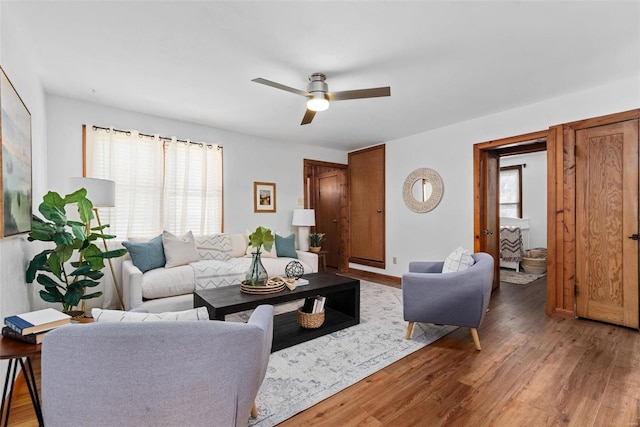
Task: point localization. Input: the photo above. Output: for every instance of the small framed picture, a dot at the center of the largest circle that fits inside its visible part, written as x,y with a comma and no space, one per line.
264,197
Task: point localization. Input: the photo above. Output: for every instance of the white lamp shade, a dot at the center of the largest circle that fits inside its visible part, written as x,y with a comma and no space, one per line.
101,192
304,217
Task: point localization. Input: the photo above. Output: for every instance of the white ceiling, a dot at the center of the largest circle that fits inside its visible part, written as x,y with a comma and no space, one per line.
446,61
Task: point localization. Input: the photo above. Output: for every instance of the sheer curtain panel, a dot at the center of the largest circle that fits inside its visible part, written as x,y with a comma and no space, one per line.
161,183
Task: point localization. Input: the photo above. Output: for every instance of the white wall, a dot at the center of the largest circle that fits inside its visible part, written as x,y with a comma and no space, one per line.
534,194
16,252
433,235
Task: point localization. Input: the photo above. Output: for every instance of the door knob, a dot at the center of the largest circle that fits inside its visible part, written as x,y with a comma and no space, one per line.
334,221
634,237
379,211
487,232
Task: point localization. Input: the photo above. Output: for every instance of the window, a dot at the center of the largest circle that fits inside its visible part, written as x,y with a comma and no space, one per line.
511,191
161,183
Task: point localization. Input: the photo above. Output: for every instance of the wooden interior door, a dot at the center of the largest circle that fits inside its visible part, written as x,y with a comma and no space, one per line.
367,204
328,213
607,223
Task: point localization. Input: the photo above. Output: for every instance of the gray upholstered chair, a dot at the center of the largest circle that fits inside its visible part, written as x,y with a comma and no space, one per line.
459,298
174,373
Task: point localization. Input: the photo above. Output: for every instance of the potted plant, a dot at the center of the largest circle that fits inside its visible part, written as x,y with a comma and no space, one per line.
72,239
315,241
257,274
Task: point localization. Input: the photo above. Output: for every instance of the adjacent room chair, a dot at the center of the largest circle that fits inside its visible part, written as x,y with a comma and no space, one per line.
195,373
460,298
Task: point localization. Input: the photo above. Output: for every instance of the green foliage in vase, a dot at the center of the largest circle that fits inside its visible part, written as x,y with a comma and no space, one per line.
262,237
316,239
72,239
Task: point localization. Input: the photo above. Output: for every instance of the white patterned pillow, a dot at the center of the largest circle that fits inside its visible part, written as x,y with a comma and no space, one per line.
458,260
100,315
214,246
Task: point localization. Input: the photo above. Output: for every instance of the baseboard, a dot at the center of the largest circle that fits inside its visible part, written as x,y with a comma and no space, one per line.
373,276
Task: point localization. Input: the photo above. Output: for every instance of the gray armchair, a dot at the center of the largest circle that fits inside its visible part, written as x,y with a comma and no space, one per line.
173,373
460,298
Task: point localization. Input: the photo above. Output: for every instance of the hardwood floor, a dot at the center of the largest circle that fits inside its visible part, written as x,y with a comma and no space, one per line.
533,370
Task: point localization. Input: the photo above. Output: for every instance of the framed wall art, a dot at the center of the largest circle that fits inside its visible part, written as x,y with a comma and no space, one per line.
264,197
15,138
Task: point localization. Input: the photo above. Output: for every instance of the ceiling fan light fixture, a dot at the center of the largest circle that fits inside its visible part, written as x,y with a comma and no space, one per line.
318,102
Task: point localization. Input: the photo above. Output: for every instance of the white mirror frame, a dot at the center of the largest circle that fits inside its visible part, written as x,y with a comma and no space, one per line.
430,176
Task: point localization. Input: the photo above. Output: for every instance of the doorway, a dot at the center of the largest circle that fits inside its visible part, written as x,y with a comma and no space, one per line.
486,183
325,191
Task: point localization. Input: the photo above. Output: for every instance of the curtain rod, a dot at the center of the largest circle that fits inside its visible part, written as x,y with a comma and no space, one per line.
162,138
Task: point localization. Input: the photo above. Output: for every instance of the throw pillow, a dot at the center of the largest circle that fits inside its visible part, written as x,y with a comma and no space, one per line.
458,260
146,255
214,246
179,250
100,315
286,246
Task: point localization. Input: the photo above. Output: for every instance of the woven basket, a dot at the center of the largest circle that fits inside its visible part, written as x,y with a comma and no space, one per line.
310,320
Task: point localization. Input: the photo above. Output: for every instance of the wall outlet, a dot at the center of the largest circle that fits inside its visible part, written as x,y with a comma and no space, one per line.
301,202
395,260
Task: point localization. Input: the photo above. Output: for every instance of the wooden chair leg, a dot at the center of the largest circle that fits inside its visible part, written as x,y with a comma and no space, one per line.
254,410
476,339
409,330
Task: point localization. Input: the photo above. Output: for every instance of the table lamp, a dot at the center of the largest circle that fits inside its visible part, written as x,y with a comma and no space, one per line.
303,219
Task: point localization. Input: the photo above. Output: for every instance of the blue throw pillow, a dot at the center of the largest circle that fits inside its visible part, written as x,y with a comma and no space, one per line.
147,256
286,246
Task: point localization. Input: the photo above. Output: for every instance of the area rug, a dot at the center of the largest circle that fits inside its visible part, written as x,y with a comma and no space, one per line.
518,278
298,377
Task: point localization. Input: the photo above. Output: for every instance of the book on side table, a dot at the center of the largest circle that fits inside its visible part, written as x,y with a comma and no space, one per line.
37,321
29,339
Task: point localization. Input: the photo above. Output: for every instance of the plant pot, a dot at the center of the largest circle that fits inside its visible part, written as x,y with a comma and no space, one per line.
75,314
315,249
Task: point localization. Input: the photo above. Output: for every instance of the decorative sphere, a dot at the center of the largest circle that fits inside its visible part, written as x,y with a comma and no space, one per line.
294,269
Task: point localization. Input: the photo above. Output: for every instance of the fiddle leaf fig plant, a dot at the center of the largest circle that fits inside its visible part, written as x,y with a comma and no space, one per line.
72,239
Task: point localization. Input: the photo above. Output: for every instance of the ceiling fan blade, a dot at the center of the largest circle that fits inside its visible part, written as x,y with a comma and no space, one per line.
360,93
308,117
280,86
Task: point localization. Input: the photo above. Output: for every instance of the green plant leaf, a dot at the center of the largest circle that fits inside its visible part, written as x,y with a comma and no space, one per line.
85,209
76,196
55,266
87,283
51,296
53,214
73,296
93,295
78,231
63,238
36,264
82,271
47,281
53,199
115,253
93,255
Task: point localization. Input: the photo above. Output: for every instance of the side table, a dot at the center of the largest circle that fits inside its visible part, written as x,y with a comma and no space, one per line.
17,352
322,261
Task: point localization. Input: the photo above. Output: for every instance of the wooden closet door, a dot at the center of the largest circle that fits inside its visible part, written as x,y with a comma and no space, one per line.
607,223
328,214
367,203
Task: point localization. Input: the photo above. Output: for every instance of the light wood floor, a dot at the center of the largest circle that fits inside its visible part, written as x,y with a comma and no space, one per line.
533,370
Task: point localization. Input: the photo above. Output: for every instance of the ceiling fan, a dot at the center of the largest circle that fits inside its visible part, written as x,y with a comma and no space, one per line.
318,95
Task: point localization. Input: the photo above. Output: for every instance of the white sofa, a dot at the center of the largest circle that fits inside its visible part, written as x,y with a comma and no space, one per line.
171,289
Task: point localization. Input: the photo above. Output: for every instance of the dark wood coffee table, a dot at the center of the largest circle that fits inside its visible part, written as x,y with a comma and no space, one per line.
342,306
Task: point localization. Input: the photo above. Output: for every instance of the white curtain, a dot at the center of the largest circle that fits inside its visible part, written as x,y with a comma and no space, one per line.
161,183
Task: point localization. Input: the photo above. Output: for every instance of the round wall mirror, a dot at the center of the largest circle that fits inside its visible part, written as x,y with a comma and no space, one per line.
422,190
